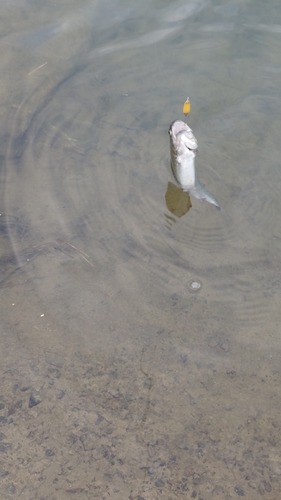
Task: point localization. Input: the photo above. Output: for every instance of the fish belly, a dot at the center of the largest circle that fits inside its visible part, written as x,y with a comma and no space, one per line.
184,173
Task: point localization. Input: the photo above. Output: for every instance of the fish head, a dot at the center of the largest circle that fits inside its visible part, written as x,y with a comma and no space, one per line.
183,140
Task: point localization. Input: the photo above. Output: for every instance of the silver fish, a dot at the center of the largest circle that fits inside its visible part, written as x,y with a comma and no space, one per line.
183,151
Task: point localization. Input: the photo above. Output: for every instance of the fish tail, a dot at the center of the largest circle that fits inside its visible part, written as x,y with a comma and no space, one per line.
202,194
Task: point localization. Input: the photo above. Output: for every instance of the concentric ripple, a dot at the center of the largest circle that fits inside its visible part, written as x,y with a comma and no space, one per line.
87,169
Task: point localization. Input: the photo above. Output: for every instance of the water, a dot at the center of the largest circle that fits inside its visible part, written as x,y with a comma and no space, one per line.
120,377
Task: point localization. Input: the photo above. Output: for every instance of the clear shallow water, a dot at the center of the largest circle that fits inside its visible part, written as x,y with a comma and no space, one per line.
118,377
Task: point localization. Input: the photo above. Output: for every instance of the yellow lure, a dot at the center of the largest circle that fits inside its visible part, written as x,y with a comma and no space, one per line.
186,107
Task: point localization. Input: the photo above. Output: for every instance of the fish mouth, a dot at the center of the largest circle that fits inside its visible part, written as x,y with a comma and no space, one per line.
182,137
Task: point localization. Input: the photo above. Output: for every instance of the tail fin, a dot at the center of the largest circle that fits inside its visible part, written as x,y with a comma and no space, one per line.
202,194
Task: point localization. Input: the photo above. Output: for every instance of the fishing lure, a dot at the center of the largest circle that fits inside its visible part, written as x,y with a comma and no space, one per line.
186,107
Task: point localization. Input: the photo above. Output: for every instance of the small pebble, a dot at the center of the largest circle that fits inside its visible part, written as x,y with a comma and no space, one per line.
159,483
195,285
33,401
11,488
239,491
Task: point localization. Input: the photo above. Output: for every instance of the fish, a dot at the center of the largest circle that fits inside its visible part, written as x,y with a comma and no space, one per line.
184,147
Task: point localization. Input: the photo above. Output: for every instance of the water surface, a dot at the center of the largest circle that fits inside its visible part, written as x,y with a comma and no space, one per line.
119,378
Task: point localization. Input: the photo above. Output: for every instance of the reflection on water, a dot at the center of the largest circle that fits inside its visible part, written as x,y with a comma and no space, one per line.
139,357
177,201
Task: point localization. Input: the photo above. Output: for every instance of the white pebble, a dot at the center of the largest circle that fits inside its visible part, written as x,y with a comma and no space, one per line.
195,285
